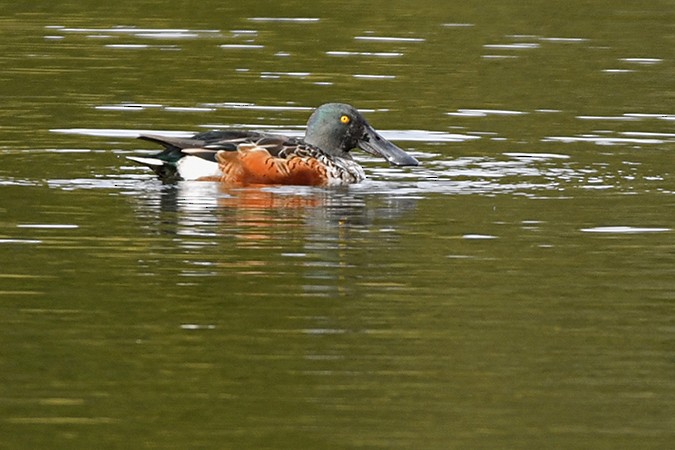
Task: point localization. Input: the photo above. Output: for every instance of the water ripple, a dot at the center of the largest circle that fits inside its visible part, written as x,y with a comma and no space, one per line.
388,39
464,112
374,54
620,229
145,32
242,46
285,19
517,46
645,61
374,77
602,140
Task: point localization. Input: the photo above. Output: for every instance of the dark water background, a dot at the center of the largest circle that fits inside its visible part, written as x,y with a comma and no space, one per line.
515,291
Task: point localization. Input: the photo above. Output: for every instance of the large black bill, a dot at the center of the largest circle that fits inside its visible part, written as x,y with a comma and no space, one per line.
375,144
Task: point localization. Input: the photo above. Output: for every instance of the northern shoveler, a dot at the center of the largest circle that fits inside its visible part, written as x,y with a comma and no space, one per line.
322,158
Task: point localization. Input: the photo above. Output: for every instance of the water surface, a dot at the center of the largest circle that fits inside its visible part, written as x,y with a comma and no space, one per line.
515,290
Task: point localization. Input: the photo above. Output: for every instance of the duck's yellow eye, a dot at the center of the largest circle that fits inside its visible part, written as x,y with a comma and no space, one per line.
345,119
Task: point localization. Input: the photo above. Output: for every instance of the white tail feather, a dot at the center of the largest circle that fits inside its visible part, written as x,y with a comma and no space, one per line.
146,161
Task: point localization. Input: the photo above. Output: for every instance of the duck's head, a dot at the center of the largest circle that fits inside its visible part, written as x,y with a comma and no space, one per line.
337,128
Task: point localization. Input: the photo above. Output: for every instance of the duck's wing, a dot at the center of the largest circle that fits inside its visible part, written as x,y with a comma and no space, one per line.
277,145
205,146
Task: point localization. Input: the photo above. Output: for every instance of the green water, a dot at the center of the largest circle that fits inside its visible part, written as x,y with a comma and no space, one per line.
514,291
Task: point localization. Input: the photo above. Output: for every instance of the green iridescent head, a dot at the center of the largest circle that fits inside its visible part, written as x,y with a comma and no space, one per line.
337,128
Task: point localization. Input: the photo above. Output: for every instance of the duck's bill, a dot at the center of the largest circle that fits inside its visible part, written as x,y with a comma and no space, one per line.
376,145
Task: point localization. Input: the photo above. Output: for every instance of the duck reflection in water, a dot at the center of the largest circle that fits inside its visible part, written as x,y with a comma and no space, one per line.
185,208
258,232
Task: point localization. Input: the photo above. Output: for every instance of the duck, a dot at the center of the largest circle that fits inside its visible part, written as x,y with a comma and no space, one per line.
242,157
